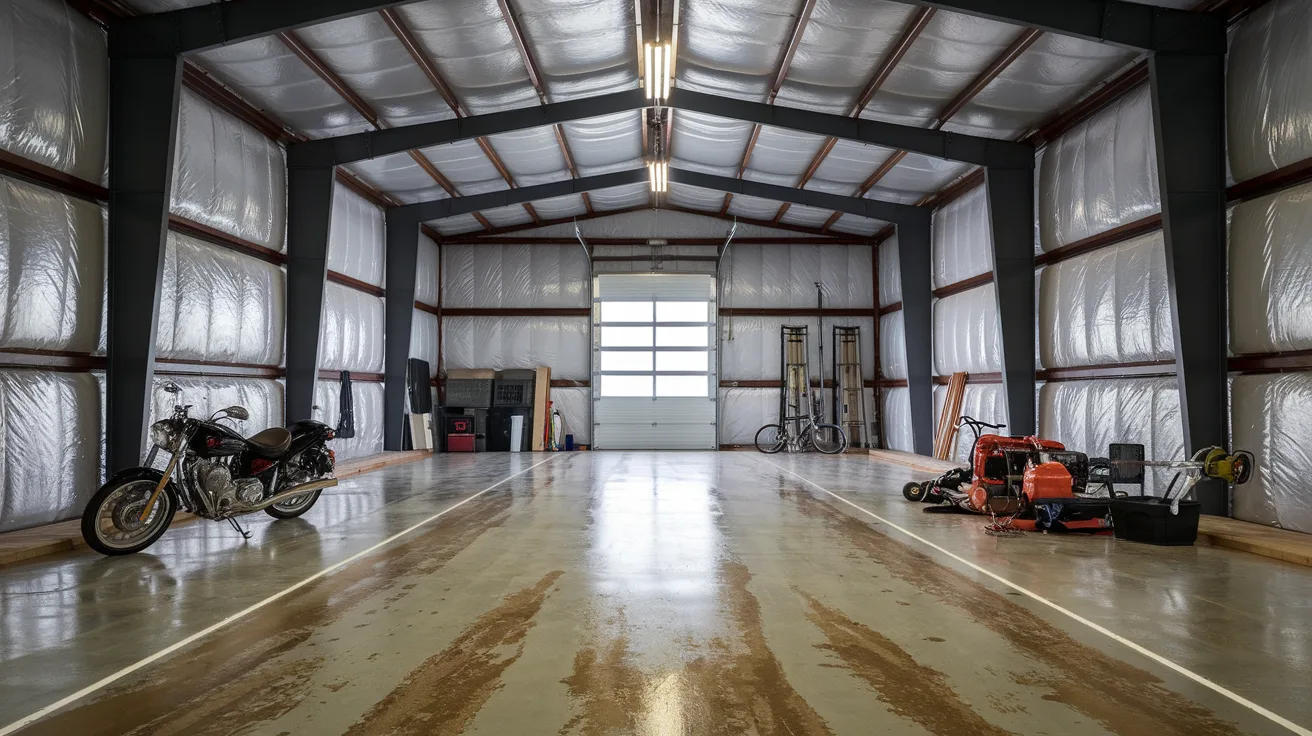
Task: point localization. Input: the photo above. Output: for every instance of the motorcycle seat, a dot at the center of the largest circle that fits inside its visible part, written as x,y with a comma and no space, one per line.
270,443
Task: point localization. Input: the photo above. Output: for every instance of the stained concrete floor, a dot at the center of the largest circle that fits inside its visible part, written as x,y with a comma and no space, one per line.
650,593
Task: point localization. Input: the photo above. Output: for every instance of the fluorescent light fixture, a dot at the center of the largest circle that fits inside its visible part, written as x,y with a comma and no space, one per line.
665,74
650,68
658,175
658,58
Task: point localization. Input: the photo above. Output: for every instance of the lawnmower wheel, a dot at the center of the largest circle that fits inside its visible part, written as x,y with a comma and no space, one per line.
914,492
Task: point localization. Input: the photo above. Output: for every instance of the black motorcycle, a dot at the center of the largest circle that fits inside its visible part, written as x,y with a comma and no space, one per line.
214,473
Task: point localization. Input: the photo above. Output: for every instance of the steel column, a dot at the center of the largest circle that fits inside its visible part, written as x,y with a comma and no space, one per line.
309,215
913,248
1188,94
402,262
143,117
1011,220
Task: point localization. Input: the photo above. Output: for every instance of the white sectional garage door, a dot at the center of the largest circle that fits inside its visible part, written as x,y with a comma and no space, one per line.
654,362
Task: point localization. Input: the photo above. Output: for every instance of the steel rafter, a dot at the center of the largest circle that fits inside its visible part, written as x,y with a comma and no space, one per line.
366,111
971,149
1130,25
531,66
915,26
403,34
450,207
786,61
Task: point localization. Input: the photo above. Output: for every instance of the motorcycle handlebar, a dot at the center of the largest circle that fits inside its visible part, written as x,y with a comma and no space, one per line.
977,423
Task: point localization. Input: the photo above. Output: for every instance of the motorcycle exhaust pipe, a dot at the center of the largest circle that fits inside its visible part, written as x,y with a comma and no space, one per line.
313,485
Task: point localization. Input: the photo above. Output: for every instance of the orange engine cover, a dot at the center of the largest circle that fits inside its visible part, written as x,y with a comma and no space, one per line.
986,497
1047,480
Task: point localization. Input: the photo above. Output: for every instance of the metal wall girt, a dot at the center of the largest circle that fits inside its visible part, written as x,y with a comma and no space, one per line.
873,208
1011,221
347,149
1131,25
206,26
402,259
1188,94
970,149
914,249
143,114
309,214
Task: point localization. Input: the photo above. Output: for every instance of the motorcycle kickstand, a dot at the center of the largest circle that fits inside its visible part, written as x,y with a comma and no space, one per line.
237,525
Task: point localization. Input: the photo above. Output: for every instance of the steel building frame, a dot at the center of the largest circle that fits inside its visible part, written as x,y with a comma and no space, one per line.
1186,70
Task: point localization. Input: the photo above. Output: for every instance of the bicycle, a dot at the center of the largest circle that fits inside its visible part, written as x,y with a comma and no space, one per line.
828,439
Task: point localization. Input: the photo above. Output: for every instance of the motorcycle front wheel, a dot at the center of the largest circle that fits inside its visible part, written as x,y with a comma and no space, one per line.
111,523
294,506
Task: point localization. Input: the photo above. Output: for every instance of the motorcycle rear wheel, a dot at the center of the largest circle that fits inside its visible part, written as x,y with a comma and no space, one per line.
111,522
294,506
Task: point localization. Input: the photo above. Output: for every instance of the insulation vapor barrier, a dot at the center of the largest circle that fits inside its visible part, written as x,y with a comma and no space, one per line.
896,405
963,242
54,101
52,257
423,339
786,275
983,401
1269,96
745,410
1271,273
575,405
426,271
262,397
228,175
49,446
219,306
518,342
1109,306
966,332
751,348
367,397
352,331
890,273
356,237
1271,416
892,346
1089,415
514,276
1101,174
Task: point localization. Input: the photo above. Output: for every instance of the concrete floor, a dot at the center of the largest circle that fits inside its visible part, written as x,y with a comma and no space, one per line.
649,593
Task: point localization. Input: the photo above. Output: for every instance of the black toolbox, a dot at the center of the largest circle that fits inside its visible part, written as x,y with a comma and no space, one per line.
1147,519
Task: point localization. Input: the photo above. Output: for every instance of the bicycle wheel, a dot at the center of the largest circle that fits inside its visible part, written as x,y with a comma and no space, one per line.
828,438
771,439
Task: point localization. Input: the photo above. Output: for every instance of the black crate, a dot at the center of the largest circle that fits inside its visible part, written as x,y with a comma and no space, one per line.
1147,519
514,388
469,392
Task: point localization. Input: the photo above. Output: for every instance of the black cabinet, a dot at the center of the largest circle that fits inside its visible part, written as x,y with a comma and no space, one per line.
498,428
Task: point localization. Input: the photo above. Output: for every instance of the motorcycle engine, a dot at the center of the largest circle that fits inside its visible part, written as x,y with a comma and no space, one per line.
226,494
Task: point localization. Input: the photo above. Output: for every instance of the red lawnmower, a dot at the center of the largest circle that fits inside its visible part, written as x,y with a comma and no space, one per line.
1033,484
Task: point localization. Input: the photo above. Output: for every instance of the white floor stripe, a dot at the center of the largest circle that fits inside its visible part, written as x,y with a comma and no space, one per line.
93,687
1273,717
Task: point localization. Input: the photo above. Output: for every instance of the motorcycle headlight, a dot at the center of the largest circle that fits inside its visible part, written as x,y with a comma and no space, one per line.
163,434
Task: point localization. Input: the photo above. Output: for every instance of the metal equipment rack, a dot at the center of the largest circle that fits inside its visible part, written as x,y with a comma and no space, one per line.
849,388
796,401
